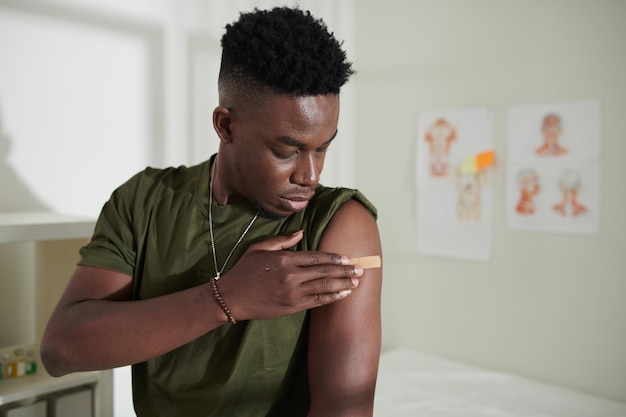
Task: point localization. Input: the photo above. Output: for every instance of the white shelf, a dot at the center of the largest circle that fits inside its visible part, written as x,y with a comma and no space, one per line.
29,387
36,226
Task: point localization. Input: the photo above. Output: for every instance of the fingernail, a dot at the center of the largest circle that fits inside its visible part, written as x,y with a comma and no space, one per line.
357,270
344,293
355,282
345,260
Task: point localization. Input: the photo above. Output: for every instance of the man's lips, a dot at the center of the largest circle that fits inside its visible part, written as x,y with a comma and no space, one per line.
297,202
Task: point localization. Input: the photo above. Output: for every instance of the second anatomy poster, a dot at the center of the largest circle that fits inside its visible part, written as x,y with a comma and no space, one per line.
553,178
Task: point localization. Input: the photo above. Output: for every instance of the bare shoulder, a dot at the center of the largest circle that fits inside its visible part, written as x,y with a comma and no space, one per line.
352,231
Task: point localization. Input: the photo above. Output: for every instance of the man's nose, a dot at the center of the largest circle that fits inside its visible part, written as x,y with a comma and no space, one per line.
306,172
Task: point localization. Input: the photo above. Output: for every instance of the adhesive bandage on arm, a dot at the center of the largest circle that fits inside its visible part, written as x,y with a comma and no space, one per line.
366,262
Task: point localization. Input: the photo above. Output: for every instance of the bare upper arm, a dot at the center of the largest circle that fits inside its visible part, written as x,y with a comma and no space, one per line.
344,343
90,283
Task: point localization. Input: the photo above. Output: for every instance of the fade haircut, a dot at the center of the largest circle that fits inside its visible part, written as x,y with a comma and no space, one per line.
282,50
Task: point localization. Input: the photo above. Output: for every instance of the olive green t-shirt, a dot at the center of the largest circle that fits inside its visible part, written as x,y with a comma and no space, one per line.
155,228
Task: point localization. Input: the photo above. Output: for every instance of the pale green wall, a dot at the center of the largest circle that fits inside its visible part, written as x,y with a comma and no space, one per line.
549,306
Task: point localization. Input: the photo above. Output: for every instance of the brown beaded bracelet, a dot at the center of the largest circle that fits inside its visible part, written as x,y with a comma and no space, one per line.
221,303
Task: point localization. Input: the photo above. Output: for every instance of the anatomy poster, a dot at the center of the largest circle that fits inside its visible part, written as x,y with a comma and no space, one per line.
454,183
553,178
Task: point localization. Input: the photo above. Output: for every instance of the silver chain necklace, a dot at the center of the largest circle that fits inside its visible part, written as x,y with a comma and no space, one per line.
218,272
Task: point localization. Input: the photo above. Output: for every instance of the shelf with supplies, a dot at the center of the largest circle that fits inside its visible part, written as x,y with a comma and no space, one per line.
38,252
24,379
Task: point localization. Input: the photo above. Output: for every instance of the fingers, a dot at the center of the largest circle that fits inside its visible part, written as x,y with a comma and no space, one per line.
284,282
312,258
318,300
328,289
305,287
329,278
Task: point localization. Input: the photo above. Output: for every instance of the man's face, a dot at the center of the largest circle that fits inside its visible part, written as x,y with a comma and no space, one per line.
278,149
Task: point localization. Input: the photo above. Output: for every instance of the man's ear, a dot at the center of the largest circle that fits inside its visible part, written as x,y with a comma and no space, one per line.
222,123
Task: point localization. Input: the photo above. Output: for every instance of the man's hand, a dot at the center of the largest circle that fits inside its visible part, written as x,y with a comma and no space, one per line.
269,282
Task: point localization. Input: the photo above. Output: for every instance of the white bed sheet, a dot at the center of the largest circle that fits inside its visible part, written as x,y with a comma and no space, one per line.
414,384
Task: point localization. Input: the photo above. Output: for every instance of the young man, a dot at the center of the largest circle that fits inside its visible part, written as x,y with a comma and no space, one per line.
227,285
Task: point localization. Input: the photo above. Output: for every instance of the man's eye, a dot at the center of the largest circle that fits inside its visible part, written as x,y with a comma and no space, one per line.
283,155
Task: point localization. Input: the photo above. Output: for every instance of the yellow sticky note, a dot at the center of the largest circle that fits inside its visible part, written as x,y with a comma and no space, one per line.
468,166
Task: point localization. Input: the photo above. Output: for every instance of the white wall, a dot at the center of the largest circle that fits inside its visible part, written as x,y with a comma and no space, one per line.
548,306
73,124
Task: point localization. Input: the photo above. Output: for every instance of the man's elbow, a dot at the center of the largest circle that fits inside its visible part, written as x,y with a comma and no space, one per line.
54,358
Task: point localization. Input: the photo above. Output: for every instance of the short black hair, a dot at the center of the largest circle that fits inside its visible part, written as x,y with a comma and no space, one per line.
284,49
